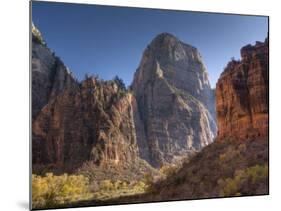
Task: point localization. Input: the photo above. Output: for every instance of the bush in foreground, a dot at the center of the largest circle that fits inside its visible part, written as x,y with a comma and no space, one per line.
244,181
51,190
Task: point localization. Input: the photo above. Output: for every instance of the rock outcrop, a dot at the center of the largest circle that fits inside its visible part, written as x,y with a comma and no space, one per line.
242,94
168,115
49,75
73,122
93,122
175,103
226,167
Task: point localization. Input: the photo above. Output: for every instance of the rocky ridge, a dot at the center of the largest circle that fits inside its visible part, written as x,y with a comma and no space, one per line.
100,127
175,101
49,74
77,122
236,164
93,122
242,94
165,117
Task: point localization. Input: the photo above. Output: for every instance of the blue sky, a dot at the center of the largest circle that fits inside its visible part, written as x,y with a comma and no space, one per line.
109,41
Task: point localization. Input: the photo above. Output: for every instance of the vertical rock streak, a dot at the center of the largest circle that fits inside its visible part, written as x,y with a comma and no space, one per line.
175,101
168,115
242,94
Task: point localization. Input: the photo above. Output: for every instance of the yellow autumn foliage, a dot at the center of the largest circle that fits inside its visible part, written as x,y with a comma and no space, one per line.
51,190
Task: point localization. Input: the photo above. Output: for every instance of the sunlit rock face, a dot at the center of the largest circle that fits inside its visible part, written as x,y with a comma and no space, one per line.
167,116
175,101
77,122
242,94
90,123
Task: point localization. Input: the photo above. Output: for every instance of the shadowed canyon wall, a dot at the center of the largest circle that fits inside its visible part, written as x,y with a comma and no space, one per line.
49,75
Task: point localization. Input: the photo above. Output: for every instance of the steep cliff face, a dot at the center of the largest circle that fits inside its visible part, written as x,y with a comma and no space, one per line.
93,122
73,122
49,75
168,115
236,164
242,94
175,103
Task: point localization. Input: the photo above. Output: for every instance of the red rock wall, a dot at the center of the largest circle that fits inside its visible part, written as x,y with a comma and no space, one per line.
87,123
242,94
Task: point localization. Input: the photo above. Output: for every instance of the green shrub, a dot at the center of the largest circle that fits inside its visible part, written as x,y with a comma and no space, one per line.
250,178
120,83
119,185
106,185
168,170
140,186
51,190
148,179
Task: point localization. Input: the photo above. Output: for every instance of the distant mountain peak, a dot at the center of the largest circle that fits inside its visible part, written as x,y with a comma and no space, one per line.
171,86
165,36
166,39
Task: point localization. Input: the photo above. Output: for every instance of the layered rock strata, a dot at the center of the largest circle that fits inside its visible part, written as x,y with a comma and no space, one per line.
175,101
242,94
166,116
49,75
92,122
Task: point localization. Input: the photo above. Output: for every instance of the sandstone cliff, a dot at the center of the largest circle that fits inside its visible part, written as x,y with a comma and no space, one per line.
49,75
168,115
91,122
174,99
242,94
236,164
79,125
101,129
